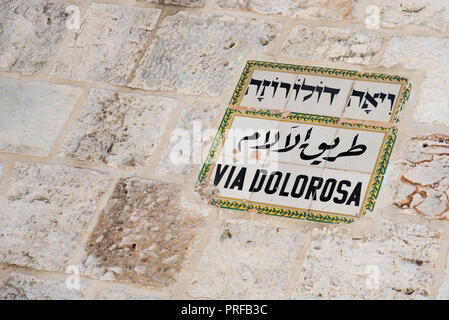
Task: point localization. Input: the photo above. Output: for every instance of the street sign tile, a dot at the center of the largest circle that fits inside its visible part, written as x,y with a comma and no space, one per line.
319,95
373,100
268,89
305,142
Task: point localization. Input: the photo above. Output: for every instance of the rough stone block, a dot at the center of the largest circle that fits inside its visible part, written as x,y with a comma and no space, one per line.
46,210
143,235
186,144
118,129
430,55
429,14
30,33
423,182
396,263
23,287
443,292
311,9
195,54
107,44
333,44
32,114
121,295
186,3
246,260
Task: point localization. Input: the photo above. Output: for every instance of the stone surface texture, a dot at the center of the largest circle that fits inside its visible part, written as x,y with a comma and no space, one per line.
106,46
246,261
143,235
30,32
103,129
397,263
324,9
423,183
118,129
46,209
22,287
36,113
180,158
121,295
333,44
186,3
416,14
443,293
197,53
430,55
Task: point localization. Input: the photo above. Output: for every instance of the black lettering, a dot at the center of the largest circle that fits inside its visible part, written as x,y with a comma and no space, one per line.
228,180
239,180
294,192
219,173
313,188
329,184
355,195
278,174
344,193
284,185
253,187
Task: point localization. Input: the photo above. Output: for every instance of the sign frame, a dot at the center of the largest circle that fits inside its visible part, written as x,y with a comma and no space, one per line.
377,175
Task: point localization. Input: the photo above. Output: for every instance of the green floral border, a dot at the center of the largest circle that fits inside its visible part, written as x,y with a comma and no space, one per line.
296,214
350,74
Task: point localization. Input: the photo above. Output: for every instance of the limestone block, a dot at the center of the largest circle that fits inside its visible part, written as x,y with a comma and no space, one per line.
115,294
397,262
428,14
24,287
186,3
143,235
118,129
196,54
246,260
107,44
430,55
32,114
310,9
189,140
47,208
333,44
423,182
30,32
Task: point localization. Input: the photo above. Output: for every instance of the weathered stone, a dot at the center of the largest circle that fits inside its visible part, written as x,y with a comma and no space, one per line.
434,204
429,14
143,235
195,54
423,182
46,210
30,32
189,140
336,9
430,55
122,295
186,3
118,129
397,262
325,9
443,292
32,114
333,44
235,4
107,44
423,175
23,287
245,260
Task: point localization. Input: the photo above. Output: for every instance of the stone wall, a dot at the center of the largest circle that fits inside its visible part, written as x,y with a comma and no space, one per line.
85,126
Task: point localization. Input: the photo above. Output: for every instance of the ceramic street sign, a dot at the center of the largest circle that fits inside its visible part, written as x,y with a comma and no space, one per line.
305,142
